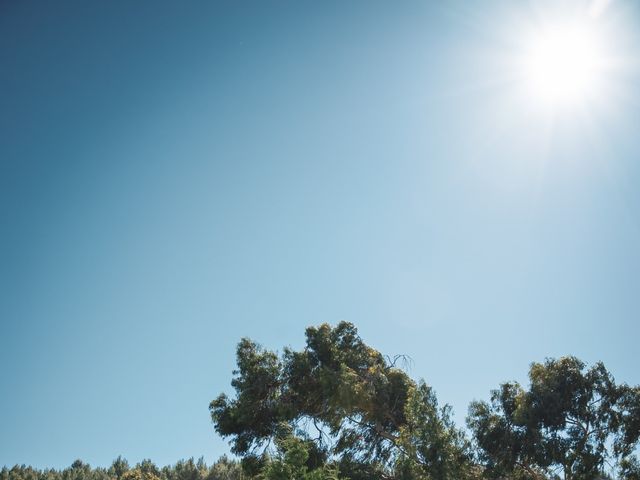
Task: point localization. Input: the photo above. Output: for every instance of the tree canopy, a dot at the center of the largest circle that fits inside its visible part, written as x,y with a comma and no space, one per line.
352,406
338,409
223,469
344,409
572,423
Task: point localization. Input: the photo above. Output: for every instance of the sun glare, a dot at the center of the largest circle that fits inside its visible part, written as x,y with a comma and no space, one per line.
563,64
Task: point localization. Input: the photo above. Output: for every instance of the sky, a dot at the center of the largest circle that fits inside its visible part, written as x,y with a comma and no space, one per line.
175,176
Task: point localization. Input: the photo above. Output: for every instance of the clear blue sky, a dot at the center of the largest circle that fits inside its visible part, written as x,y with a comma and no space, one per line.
177,175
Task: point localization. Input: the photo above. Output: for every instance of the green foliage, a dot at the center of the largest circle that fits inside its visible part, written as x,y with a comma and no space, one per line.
140,474
223,469
564,425
353,408
630,468
628,420
186,470
255,413
340,410
432,446
292,463
118,468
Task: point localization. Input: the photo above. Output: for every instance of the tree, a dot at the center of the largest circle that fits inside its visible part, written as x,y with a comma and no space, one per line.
350,405
186,470
432,445
292,463
118,468
225,469
139,473
77,471
564,425
629,432
148,468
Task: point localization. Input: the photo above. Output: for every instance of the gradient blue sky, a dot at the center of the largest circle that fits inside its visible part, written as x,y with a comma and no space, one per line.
177,175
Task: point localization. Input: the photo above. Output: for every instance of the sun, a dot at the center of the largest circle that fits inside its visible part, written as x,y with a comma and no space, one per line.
564,63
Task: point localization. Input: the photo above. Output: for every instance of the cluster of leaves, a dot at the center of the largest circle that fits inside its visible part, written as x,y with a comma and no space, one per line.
340,409
223,469
353,408
572,423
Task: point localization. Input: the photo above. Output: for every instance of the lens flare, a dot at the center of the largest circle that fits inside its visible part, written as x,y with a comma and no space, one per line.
564,64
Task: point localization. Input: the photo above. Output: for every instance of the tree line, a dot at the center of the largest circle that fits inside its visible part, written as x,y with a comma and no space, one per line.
340,410
223,469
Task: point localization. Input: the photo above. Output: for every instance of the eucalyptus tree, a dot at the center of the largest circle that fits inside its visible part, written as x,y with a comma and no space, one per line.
351,406
572,423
